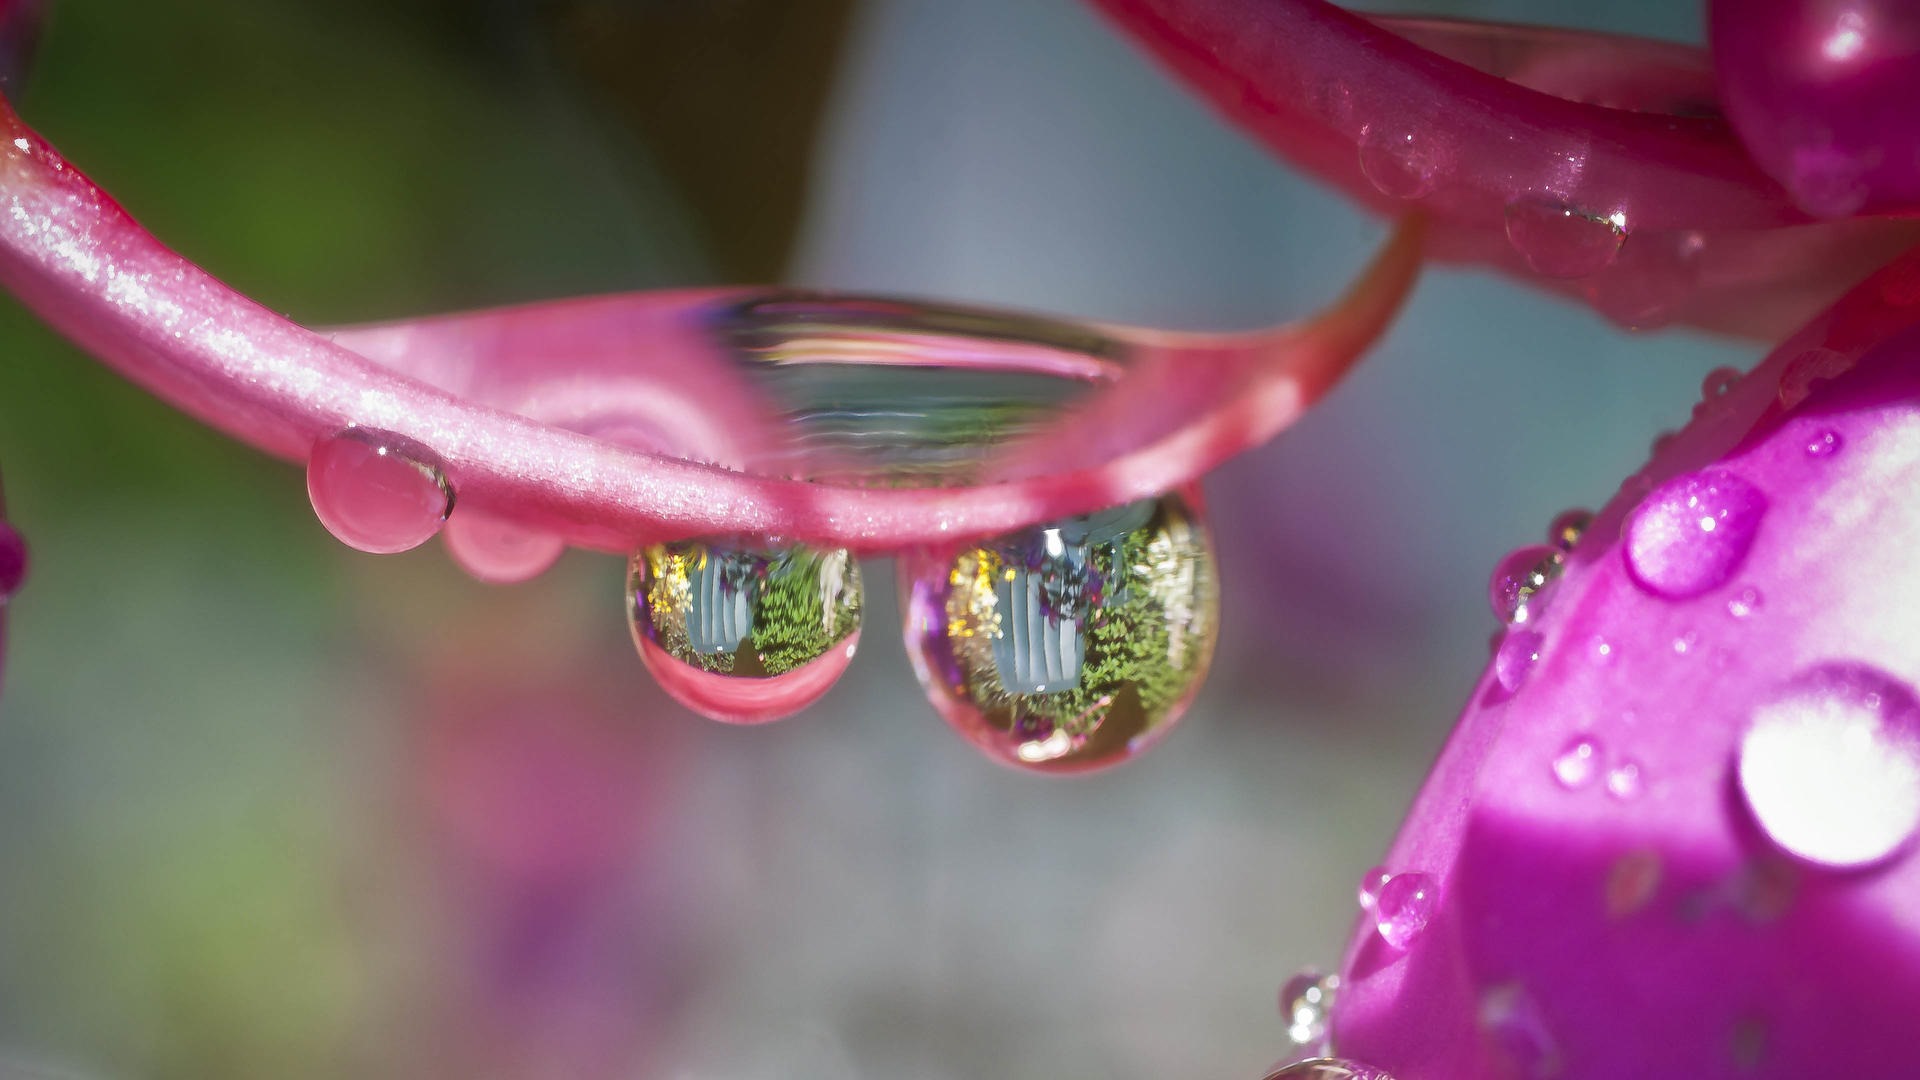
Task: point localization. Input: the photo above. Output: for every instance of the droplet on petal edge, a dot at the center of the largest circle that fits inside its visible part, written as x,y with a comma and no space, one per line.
1560,241
1370,885
1577,763
1326,1069
1830,765
13,561
744,635
1692,533
376,491
498,551
1718,383
1397,161
1405,905
1072,646
1567,527
1514,592
1513,661
1306,1002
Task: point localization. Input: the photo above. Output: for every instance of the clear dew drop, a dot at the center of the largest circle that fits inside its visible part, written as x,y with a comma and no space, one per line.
1626,780
377,491
13,561
1577,763
1692,533
1398,161
1567,527
1830,765
1746,603
499,551
1370,884
1823,444
1513,661
1070,646
1516,590
1306,1003
1718,383
1602,652
740,634
1405,906
1685,642
1560,241
1326,1069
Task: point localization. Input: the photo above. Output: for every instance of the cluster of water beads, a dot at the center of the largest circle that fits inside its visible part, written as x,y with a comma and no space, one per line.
1069,646
744,634
1580,763
1830,765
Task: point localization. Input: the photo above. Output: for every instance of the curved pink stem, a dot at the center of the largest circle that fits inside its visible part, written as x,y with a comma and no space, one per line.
85,266
1482,126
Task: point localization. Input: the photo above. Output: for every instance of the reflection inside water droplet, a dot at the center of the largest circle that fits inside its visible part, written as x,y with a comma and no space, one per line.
742,634
1306,1002
1070,646
1567,527
1830,765
1516,590
377,491
1559,241
1404,907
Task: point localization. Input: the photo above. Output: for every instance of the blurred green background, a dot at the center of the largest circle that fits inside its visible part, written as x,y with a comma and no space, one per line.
272,808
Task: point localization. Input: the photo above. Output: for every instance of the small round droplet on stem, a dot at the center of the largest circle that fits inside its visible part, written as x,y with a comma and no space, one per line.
377,491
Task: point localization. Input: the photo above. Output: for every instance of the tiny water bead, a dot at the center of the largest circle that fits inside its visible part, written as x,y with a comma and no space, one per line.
13,561
1577,763
1404,907
1370,885
1513,661
376,491
1306,1002
499,551
1625,781
1326,1069
1560,241
1398,161
1823,444
1830,765
1718,383
1518,580
740,634
1692,533
1745,603
1069,646
1567,527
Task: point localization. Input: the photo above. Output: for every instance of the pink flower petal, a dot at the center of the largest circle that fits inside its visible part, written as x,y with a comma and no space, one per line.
1592,165
690,446
1736,897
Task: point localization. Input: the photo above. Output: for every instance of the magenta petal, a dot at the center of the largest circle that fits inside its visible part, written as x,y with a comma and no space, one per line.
497,398
1592,165
1685,846
1823,94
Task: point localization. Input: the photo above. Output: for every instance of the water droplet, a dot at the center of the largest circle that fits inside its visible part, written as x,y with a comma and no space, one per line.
1718,383
1306,1001
1514,660
1515,591
377,491
1568,527
1577,763
1830,765
1692,533
1559,241
741,634
1404,907
1745,603
13,561
499,551
1632,882
1685,642
1823,444
1603,653
1624,781
1326,1069
1370,885
1069,646
1398,161
1804,372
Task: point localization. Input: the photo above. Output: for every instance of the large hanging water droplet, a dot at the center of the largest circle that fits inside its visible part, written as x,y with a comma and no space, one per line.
1071,646
1692,533
499,551
1830,765
13,561
1306,1002
1398,161
1519,580
377,491
1559,241
740,634
1404,907
1326,1069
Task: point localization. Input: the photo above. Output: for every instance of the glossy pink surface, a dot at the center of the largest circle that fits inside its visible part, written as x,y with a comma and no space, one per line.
452,385
1822,94
744,700
497,551
1614,899
1485,127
